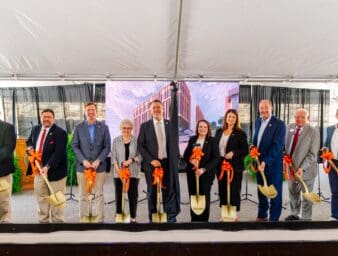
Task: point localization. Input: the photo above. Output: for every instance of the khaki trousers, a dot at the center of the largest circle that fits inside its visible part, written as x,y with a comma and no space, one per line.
97,190
45,210
5,201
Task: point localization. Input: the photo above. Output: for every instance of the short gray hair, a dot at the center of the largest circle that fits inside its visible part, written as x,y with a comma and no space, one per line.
126,122
303,110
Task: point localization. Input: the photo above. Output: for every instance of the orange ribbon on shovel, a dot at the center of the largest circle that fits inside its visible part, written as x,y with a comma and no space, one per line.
287,162
158,176
254,153
226,167
197,154
90,175
32,157
124,174
328,157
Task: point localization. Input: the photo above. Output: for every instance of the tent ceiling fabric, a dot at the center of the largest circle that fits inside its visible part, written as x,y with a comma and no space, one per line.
138,39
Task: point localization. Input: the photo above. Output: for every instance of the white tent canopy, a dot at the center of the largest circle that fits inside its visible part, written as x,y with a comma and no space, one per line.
248,40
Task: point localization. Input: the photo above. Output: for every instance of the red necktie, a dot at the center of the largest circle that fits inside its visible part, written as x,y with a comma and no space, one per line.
42,140
294,142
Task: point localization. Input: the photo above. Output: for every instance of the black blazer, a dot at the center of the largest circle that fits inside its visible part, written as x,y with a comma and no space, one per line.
7,146
147,143
210,159
54,151
238,144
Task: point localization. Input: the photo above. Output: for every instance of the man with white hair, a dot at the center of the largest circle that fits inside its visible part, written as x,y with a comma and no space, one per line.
302,144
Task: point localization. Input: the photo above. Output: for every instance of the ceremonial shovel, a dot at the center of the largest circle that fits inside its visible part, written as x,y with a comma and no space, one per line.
228,211
57,199
197,202
159,217
310,196
268,191
122,217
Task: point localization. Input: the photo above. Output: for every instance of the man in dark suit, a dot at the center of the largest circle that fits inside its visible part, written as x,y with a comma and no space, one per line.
51,141
153,141
7,146
91,145
269,138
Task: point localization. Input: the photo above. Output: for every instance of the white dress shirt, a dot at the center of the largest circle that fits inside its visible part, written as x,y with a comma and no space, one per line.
264,124
223,144
164,136
39,138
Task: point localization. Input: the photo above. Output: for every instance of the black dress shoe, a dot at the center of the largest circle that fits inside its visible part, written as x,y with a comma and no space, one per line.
292,218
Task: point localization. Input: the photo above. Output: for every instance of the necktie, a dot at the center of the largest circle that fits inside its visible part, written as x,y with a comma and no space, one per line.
42,140
294,142
160,140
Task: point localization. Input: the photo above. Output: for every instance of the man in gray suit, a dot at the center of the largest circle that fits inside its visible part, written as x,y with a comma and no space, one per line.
302,144
91,145
7,146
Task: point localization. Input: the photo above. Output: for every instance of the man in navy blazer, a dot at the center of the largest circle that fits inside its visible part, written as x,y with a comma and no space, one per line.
91,145
331,143
51,141
7,146
269,138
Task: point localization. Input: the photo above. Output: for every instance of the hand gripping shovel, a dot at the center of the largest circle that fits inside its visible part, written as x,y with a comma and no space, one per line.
310,196
228,212
57,199
268,191
122,217
197,202
159,217
90,218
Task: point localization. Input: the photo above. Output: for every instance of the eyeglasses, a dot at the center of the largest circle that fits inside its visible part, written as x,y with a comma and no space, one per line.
127,128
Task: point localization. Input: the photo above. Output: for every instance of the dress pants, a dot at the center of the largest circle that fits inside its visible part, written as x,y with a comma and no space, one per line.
132,195
5,201
152,193
204,189
274,207
46,212
296,203
333,179
97,190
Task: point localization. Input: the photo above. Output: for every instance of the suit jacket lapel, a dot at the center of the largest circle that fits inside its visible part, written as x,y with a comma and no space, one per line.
302,135
258,126
152,132
291,132
166,128
98,131
267,130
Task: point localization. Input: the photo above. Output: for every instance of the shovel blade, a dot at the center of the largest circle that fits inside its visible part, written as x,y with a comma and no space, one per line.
228,213
159,217
53,201
122,218
197,204
90,219
268,191
312,197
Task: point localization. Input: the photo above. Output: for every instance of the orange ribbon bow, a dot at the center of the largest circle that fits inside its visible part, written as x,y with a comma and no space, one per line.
90,175
124,174
327,157
226,167
196,154
32,157
287,162
158,176
254,153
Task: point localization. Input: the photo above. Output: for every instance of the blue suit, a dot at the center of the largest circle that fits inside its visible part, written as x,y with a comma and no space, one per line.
271,149
333,177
